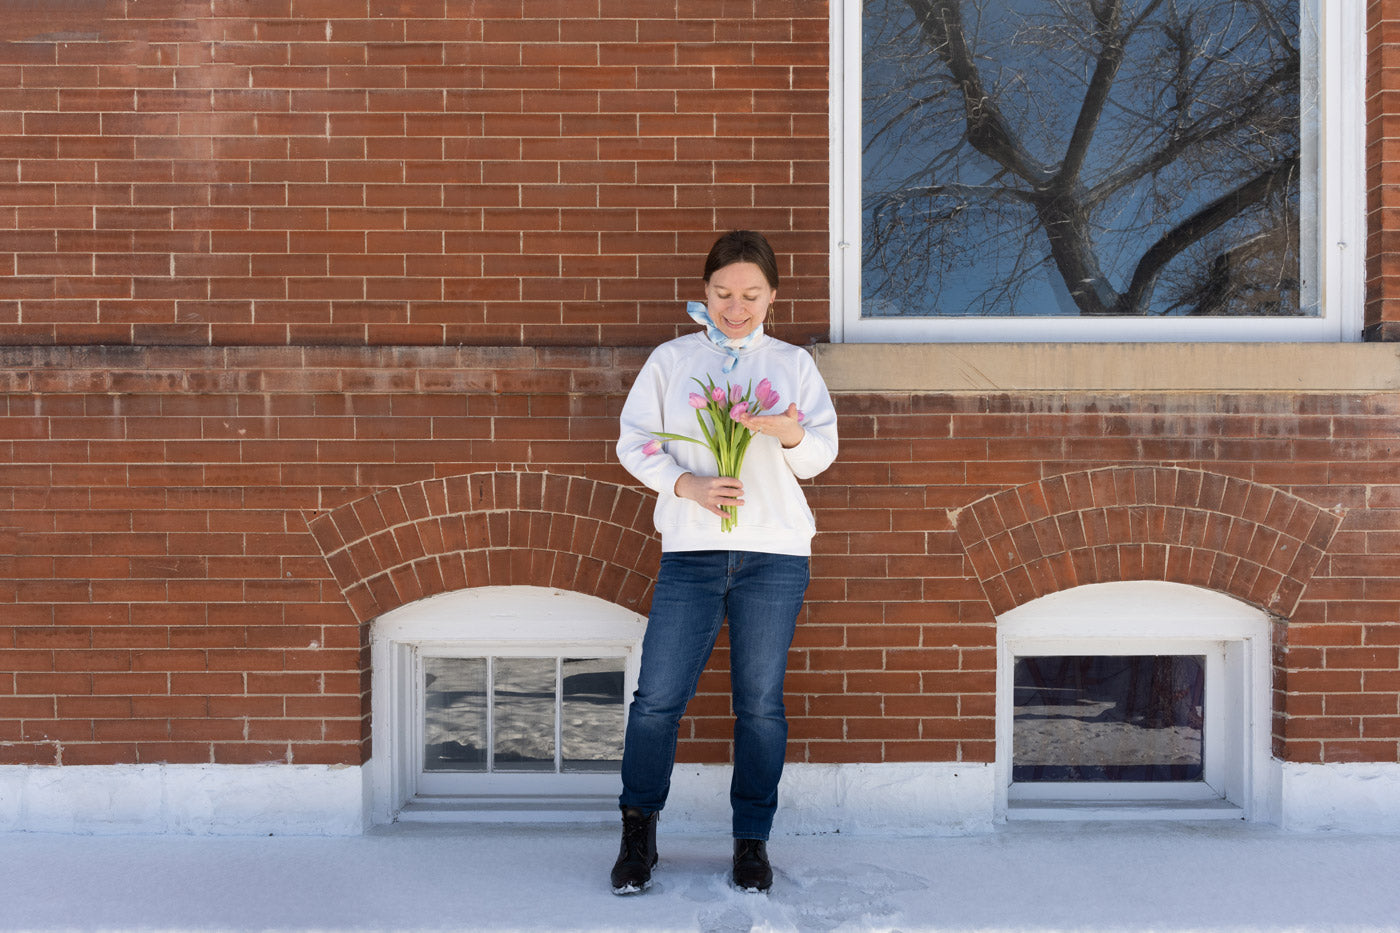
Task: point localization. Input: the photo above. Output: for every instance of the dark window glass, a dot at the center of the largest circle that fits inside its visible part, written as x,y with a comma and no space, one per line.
1133,158
1109,718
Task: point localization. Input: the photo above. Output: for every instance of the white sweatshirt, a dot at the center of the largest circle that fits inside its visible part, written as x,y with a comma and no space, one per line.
775,517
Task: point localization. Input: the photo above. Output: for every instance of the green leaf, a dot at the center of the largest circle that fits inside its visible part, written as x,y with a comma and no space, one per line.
676,437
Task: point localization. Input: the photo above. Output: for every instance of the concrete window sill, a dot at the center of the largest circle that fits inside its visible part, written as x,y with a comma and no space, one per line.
1111,367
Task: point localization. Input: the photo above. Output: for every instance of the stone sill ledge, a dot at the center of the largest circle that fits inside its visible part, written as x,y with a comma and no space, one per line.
1110,367
848,368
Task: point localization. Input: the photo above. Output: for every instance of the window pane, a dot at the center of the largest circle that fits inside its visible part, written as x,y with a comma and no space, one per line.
1022,158
592,724
454,709
523,709
1108,718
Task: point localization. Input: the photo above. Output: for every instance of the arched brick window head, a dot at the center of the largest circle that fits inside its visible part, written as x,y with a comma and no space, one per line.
1252,541
408,542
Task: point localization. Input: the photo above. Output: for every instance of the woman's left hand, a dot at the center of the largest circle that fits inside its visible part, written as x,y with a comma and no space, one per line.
785,426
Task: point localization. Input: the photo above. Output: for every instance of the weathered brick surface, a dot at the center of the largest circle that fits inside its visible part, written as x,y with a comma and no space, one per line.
393,172
197,537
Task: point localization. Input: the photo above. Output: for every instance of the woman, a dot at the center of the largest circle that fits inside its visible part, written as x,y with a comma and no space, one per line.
755,574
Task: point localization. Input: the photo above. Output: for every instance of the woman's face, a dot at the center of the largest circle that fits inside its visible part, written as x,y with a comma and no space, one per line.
738,297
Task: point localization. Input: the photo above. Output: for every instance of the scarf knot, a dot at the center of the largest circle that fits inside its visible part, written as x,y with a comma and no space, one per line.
701,315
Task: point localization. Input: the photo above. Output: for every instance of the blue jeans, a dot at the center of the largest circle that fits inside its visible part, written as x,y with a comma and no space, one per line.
761,594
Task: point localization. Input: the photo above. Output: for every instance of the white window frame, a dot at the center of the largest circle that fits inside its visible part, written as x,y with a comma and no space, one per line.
495,621
1338,155
1149,618
507,783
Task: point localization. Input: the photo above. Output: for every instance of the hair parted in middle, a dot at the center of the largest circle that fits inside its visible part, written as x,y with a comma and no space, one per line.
743,246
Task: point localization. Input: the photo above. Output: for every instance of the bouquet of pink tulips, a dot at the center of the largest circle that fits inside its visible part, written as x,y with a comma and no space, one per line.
726,438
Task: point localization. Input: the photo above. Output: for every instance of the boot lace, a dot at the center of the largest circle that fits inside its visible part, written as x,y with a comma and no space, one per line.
750,851
634,836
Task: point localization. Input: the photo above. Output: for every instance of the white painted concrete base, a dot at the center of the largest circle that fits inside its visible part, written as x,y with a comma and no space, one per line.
306,800
1362,798
869,799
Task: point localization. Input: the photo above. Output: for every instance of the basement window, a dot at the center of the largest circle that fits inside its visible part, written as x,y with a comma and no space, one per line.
501,703
1132,700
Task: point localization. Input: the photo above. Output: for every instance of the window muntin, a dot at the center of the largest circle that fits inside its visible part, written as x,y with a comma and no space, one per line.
1326,217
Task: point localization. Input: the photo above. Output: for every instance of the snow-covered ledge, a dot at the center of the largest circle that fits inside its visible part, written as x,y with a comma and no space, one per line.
873,799
203,799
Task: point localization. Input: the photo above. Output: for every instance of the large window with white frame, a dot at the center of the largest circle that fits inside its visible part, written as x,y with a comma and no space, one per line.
501,702
1097,170
1133,700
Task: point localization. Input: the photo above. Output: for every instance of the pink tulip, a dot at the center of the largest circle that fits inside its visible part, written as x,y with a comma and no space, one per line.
736,393
739,409
697,401
650,447
767,398
719,395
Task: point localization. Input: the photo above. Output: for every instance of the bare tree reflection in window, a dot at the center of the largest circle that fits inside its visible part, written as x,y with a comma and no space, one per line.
1082,157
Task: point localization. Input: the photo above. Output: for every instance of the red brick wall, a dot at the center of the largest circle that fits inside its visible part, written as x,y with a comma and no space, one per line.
1382,169
161,595
279,219
401,171
199,534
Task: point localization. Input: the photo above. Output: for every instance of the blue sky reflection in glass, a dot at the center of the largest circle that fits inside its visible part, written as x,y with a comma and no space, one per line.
1081,158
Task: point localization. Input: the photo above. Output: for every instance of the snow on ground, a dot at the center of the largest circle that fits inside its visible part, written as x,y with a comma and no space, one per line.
1025,877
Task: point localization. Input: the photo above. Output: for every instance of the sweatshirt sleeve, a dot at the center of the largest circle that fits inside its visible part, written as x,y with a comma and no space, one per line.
817,449
641,418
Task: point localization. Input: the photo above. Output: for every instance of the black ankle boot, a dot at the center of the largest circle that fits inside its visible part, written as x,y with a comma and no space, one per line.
636,858
751,869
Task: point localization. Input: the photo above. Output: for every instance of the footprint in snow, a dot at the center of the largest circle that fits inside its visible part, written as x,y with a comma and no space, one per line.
829,901
729,920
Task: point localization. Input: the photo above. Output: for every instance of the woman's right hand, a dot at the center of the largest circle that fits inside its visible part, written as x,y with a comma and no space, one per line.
711,493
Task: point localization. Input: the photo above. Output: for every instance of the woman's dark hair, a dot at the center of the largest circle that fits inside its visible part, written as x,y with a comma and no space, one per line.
743,246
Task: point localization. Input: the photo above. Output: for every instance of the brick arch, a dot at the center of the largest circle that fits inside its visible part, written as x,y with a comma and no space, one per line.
408,542
1252,541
